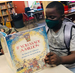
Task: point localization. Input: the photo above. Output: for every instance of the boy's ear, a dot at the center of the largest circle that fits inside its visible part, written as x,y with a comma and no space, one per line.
62,16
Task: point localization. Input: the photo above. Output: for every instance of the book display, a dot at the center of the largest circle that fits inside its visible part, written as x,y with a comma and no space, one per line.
6,10
25,51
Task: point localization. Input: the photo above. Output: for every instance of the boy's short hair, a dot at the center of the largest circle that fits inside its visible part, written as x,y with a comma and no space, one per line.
59,6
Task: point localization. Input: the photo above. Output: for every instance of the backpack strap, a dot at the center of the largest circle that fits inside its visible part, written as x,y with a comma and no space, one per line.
68,34
47,30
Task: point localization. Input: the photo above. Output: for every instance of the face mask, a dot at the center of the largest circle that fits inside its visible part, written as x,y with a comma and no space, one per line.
52,23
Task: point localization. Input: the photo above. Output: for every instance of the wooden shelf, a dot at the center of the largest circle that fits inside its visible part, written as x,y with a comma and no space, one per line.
6,7
5,15
10,7
4,2
0,16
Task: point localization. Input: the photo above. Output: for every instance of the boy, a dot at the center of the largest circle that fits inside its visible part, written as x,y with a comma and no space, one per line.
58,52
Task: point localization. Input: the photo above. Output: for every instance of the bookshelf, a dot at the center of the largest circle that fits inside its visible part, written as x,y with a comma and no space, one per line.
6,11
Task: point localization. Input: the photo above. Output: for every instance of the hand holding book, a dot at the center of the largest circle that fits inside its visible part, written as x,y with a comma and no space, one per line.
52,59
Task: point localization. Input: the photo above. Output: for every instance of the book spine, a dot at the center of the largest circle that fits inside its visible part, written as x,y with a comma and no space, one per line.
7,54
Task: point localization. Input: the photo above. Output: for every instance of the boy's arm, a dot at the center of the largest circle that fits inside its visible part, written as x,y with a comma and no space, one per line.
52,58
68,59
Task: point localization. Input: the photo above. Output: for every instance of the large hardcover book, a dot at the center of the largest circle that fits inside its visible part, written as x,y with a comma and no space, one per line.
25,51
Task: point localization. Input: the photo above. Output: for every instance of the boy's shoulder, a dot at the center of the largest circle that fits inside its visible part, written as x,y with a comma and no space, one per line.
68,23
67,20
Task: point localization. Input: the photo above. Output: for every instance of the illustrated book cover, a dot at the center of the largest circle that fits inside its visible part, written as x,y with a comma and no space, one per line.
25,51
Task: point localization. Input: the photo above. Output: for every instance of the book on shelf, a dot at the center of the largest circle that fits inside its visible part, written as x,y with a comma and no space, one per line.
4,12
25,51
11,11
10,5
2,7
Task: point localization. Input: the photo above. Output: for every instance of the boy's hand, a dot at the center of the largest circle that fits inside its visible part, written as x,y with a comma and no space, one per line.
52,58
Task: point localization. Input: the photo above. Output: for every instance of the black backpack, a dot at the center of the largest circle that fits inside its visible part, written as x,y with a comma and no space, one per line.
67,34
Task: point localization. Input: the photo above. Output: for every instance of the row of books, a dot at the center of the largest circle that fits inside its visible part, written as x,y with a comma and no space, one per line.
5,19
2,6
4,12
10,5
11,11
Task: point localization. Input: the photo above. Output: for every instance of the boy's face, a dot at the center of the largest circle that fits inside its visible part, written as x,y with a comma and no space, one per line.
52,14
53,18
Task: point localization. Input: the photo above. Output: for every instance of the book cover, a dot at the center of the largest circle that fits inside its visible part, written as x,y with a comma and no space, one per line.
26,50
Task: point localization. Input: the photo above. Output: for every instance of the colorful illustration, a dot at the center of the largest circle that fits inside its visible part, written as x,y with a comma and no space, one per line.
27,37
28,49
